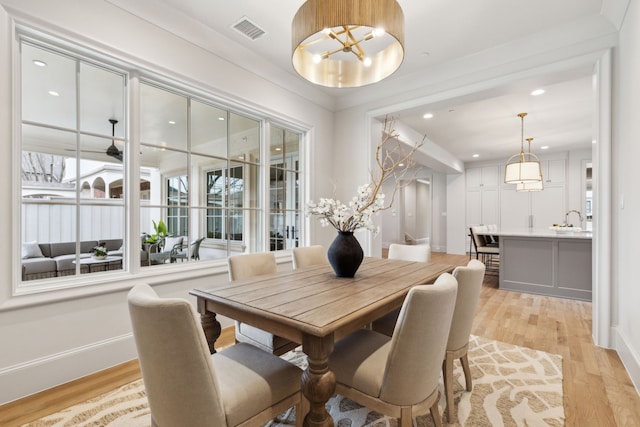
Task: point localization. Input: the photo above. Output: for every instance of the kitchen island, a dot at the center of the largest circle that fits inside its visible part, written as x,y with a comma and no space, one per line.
546,262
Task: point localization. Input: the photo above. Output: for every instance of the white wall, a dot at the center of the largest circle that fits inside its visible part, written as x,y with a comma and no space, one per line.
625,194
44,343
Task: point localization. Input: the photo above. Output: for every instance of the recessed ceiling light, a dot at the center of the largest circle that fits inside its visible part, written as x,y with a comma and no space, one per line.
39,63
475,156
544,147
537,92
278,149
53,93
593,141
428,116
401,164
172,122
221,118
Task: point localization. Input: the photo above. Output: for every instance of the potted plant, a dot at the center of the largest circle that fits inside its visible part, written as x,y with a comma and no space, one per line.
99,252
160,232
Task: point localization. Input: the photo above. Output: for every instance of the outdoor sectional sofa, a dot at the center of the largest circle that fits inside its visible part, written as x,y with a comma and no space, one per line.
43,260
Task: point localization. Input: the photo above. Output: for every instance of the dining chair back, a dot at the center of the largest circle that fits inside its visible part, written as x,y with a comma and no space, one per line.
245,266
486,250
470,278
307,256
399,375
417,253
185,385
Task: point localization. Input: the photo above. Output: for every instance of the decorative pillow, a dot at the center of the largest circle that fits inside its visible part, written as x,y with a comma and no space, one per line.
31,250
170,242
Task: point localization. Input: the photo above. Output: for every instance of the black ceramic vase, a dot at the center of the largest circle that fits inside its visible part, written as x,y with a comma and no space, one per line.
345,254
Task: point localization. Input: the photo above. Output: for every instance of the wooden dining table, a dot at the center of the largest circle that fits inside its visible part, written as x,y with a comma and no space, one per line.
313,307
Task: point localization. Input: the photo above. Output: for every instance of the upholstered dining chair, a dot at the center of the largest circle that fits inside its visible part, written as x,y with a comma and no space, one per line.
306,256
186,386
416,253
244,266
470,278
399,375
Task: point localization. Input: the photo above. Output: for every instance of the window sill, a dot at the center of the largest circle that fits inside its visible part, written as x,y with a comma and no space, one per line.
86,286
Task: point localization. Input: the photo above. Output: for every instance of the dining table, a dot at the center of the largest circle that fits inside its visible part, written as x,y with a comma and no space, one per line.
314,308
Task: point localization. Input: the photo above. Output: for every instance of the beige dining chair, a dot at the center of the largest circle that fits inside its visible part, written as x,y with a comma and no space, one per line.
186,386
398,376
307,256
245,266
470,278
416,253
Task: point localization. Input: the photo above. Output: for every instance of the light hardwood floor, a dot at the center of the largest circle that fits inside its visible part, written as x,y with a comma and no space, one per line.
597,389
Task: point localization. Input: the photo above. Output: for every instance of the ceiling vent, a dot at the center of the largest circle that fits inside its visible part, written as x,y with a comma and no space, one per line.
248,28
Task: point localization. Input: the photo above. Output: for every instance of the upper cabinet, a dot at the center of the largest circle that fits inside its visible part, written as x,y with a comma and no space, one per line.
485,176
553,171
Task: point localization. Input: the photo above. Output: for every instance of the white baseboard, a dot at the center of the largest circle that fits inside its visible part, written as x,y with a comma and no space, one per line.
629,357
40,374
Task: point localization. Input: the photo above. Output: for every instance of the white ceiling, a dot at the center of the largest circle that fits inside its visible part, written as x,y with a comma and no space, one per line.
437,32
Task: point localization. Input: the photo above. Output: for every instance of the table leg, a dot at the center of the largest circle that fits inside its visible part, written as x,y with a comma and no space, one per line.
318,382
210,325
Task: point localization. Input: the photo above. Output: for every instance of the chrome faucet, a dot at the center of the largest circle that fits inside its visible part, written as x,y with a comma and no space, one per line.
566,216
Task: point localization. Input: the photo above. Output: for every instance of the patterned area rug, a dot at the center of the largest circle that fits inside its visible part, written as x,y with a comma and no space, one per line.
512,386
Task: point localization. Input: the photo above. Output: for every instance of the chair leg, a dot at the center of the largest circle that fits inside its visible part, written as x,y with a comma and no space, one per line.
447,374
464,360
405,417
301,410
435,413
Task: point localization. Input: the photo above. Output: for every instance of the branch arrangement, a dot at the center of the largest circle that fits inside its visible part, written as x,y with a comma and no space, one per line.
394,162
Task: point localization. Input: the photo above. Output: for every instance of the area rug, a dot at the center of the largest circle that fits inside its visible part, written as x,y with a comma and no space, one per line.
512,386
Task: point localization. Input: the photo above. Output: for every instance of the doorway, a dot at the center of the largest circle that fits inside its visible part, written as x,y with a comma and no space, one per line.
415,216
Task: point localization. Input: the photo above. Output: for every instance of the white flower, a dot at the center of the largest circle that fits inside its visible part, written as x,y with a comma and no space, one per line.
358,214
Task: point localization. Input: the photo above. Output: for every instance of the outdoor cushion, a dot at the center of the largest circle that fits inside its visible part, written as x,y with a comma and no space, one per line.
31,250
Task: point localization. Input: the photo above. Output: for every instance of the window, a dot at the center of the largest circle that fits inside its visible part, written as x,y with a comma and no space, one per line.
203,171
224,190
190,144
67,105
284,189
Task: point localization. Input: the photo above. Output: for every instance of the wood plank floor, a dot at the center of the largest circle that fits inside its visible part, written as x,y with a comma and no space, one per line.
597,389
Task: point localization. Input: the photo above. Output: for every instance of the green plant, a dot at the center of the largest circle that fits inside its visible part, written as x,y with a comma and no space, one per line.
99,251
160,232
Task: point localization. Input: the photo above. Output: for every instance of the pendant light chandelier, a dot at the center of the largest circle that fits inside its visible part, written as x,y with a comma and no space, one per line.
530,186
347,43
521,167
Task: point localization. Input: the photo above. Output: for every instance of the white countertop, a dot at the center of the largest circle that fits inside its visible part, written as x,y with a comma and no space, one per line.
541,232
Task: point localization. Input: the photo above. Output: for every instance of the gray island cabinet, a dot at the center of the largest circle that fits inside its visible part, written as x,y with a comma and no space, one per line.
546,262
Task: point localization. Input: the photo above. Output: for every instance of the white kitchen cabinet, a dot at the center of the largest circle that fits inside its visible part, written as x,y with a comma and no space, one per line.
535,209
553,171
483,195
548,206
483,177
514,209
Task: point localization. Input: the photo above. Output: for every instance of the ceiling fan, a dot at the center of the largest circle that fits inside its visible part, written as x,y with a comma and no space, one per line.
112,150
